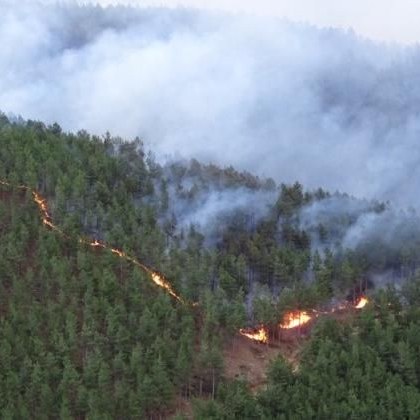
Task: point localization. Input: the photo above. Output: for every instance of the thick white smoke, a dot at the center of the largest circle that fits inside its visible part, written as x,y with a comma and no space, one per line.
288,101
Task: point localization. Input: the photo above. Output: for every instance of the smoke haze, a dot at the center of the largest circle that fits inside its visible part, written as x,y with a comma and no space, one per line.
289,101
351,224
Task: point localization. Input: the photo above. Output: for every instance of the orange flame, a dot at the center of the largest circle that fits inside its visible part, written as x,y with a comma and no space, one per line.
295,319
42,204
363,301
96,244
162,282
259,335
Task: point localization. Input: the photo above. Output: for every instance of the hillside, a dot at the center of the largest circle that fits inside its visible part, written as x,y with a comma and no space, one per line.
86,332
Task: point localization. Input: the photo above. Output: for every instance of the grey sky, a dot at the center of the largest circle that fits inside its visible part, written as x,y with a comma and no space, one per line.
389,20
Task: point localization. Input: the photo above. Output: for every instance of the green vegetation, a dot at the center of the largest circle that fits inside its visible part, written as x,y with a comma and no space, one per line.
84,334
368,369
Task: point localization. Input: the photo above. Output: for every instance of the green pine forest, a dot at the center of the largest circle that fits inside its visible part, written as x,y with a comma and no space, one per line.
87,335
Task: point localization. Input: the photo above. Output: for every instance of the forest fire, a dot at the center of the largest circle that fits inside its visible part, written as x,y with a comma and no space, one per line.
118,252
259,335
42,204
295,319
363,301
290,321
96,244
162,282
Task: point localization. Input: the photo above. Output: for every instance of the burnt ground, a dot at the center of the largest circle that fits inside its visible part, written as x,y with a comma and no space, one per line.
249,360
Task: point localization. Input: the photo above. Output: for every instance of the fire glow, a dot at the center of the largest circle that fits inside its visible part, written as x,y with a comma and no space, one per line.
363,301
259,335
290,321
42,204
295,319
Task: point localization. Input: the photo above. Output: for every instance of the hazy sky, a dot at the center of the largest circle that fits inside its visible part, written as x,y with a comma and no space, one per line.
389,20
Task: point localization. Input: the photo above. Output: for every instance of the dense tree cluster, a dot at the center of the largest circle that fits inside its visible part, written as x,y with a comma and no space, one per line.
368,367
84,334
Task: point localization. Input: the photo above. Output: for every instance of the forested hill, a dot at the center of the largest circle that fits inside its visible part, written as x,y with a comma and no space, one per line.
85,334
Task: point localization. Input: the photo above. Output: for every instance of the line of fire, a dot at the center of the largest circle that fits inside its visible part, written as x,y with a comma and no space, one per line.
46,219
298,320
293,320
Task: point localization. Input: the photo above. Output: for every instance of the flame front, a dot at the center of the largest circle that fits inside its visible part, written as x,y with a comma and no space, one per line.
162,282
42,204
295,319
95,244
291,320
259,335
363,301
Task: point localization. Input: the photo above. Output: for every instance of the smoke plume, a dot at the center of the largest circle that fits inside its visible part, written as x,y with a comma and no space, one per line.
289,101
